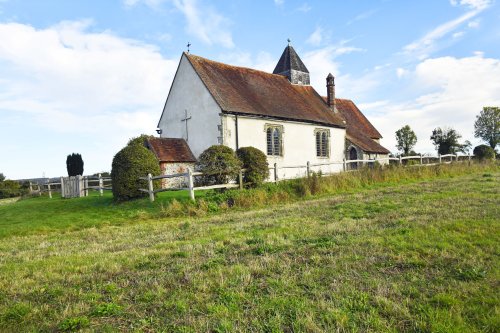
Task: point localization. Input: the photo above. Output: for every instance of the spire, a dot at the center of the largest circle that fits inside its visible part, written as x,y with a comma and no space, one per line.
291,66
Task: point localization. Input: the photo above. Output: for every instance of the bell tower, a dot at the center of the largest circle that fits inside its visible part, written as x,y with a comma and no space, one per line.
291,66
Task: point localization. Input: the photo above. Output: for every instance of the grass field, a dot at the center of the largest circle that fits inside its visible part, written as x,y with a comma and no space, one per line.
422,256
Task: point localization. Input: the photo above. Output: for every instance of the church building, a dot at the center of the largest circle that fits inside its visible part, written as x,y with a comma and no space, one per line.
281,114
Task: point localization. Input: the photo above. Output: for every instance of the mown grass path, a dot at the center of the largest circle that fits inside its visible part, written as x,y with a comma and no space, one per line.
420,257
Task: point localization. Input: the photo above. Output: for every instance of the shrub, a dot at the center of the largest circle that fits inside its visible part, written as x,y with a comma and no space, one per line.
219,164
128,165
140,140
255,163
11,189
484,152
74,165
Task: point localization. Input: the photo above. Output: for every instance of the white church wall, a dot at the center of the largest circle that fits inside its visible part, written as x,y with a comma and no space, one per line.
365,156
299,143
189,93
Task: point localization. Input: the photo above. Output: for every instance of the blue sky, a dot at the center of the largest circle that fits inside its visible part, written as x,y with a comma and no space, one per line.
85,76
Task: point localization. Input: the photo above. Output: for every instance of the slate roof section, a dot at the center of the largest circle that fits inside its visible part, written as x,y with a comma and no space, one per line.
289,60
171,150
245,91
359,129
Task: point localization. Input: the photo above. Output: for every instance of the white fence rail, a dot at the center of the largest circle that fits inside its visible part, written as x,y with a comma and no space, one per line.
189,175
347,165
79,186
72,187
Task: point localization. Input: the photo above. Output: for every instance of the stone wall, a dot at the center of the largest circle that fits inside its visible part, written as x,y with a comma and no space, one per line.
173,168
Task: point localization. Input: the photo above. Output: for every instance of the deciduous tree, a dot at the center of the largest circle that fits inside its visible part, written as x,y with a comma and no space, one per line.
487,125
446,141
406,139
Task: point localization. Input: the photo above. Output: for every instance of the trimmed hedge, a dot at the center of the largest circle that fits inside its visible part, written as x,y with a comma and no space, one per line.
219,164
128,165
484,152
256,165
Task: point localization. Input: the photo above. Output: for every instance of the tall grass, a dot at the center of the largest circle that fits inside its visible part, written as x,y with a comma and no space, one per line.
319,185
415,257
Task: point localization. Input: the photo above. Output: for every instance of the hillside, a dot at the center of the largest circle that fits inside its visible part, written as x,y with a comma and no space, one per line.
419,256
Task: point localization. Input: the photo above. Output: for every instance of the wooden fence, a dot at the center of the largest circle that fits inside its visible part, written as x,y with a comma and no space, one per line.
189,175
72,187
347,164
79,186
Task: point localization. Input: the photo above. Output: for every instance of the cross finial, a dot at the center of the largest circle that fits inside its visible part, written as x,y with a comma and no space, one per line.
188,45
289,41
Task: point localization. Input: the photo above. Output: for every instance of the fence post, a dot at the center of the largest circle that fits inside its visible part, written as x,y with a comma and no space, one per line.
48,188
421,159
150,188
190,184
240,179
101,184
86,186
275,172
62,188
78,187
400,160
31,188
439,155
456,157
344,164
308,168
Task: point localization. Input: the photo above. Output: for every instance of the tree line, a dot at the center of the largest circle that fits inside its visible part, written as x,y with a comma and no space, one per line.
446,140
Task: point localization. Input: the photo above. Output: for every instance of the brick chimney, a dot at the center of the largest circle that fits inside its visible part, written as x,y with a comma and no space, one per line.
330,92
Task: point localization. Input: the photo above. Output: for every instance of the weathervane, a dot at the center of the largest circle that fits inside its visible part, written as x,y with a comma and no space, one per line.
289,41
188,45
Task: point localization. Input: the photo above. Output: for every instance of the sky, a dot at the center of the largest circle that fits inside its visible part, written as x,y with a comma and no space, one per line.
86,76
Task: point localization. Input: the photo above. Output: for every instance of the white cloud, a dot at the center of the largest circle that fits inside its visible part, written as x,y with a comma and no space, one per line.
77,85
458,34
316,37
322,61
304,7
401,72
449,92
263,61
279,2
205,23
362,16
423,47
473,4
473,24
150,3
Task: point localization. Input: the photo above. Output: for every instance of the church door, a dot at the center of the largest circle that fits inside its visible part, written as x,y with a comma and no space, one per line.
353,155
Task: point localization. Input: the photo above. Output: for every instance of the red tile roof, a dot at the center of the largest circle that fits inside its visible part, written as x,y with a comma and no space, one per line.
355,118
240,90
365,143
359,129
171,150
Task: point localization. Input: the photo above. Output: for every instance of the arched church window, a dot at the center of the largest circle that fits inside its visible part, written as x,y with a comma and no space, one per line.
322,142
274,140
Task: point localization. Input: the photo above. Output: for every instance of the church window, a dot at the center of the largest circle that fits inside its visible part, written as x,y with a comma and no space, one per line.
274,140
322,142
